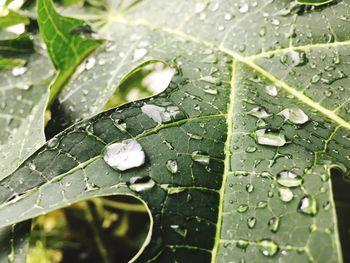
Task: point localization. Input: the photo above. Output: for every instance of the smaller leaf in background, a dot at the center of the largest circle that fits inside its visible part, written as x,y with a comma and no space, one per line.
10,18
8,63
65,46
22,44
314,2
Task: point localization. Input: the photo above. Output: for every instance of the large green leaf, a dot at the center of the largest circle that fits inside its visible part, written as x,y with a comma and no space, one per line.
238,150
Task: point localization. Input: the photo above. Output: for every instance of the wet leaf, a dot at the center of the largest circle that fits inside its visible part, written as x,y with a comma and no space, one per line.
253,187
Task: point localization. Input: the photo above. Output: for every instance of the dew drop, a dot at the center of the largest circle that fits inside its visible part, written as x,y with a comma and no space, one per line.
90,63
211,80
268,247
242,208
259,112
298,57
124,155
295,115
271,90
18,71
243,8
308,205
274,224
200,157
160,114
171,165
139,54
249,188
242,244
251,222
140,184
289,179
251,149
179,230
285,194
272,139
52,143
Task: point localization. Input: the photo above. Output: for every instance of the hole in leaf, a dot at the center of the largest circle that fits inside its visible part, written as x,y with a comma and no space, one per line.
148,79
108,229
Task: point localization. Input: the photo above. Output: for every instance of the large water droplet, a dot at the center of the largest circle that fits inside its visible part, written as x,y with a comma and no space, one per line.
90,63
295,115
200,157
289,179
139,184
124,155
298,57
171,165
270,138
268,247
160,114
308,205
286,195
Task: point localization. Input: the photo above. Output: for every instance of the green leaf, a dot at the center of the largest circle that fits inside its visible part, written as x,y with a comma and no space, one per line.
64,44
8,63
234,159
10,18
22,44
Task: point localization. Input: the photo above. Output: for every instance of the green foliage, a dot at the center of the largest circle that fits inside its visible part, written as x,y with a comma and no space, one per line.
241,158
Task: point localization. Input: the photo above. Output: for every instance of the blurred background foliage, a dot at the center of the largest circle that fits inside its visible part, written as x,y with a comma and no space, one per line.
110,229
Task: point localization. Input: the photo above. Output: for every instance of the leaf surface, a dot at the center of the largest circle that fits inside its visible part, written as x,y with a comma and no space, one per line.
238,150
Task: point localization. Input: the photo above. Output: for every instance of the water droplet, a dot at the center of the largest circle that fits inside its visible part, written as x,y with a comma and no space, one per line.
52,143
200,157
140,184
251,149
211,91
286,195
268,247
179,230
271,90
211,80
298,57
308,205
242,208
243,8
124,155
139,54
228,17
249,188
259,112
160,114
289,179
251,222
90,63
272,139
242,244
295,115
274,224
18,71
261,204
171,165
